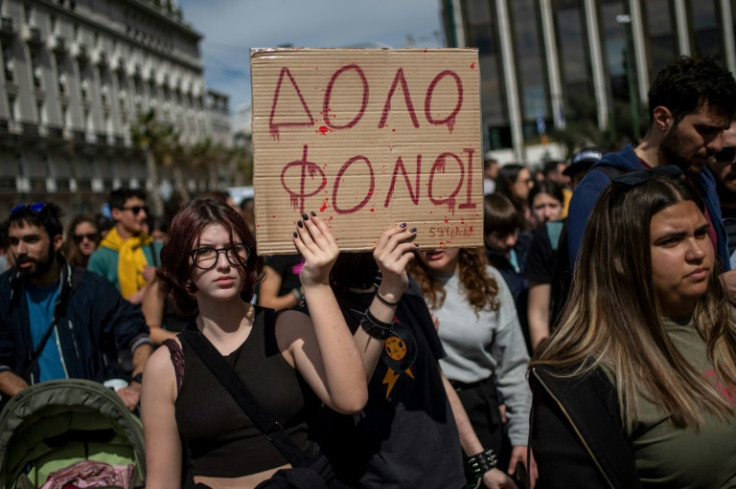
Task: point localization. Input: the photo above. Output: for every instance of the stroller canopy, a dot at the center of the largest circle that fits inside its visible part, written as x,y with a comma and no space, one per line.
51,425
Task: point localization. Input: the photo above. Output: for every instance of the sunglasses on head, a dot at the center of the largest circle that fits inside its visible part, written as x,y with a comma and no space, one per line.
136,209
78,238
34,208
726,155
634,178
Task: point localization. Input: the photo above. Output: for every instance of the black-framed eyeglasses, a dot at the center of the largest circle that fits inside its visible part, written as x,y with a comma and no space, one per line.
634,178
726,155
206,257
94,237
136,209
34,208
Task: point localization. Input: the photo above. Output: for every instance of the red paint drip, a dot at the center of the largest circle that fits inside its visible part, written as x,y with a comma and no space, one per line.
472,66
323,129
373,210
470,229
446,221
323,207
393,130
462,221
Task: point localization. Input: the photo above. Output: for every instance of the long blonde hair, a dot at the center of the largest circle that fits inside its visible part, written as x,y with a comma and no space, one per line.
603,325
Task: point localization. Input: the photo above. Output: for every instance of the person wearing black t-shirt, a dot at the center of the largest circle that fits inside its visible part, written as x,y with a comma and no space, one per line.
412,429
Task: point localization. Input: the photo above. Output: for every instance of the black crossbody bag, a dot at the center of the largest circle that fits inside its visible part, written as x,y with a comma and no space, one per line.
310,470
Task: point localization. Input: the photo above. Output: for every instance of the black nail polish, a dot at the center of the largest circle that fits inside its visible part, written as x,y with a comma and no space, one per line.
300,224
305,217
314,214
413,230
402,225
296,235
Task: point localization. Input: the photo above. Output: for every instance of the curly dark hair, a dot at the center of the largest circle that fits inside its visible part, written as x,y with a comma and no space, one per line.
481,288
687,84
186,227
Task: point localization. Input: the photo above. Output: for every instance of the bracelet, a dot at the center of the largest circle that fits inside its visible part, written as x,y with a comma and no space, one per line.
375,328
482,462
297,292
386,301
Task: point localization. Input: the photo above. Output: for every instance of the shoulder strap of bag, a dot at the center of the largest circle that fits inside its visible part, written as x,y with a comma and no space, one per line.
240,394
70,278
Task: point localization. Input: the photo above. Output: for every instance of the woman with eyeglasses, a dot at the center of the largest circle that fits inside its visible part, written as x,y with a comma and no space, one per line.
82,239
637,385
514,182
210,267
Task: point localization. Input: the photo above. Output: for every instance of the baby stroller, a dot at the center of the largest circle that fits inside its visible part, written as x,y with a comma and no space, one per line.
52,425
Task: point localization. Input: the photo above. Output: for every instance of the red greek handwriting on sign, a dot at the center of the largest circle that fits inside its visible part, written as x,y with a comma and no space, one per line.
287,81
312,180
306,167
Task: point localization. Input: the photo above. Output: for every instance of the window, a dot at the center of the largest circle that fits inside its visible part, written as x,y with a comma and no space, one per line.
40,112
8,62
36,70
12,108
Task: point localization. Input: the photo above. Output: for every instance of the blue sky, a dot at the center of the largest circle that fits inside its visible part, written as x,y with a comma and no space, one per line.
232,27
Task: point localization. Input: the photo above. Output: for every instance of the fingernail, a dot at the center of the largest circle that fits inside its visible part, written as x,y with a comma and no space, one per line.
416,244
402,225
305,217
413,230
300,224
296,235
314,214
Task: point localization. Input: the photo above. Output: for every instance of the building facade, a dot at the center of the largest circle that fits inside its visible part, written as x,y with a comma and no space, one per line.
75,76
544,61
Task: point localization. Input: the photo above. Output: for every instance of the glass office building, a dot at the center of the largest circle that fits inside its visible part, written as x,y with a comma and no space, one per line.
547,62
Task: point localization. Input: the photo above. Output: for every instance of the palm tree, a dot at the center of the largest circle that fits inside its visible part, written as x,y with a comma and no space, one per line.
156,140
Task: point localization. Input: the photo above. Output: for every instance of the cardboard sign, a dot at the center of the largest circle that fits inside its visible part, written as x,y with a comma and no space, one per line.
367,138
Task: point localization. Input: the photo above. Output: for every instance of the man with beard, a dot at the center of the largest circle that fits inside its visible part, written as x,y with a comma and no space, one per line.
57,321
723,167
691,102
127,256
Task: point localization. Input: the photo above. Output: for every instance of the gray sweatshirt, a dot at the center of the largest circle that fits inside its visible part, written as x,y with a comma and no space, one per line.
477,345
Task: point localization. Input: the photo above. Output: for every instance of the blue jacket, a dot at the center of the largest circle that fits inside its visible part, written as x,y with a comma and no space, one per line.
93,324
586,194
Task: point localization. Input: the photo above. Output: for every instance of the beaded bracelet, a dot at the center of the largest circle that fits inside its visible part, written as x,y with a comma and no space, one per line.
482,462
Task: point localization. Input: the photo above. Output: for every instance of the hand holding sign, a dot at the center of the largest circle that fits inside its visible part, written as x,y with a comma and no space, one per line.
394,251
314,241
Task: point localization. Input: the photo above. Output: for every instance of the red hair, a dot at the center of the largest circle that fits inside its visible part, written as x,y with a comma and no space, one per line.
186,228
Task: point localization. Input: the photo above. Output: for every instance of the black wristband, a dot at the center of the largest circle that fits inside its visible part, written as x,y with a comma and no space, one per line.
375,328
482,462
385,301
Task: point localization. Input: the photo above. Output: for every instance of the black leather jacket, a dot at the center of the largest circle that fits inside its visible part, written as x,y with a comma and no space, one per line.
577,435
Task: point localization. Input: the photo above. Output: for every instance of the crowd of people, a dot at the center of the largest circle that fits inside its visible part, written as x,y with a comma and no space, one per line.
590,342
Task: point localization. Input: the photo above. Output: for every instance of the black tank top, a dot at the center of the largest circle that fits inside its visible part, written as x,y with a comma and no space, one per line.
222,439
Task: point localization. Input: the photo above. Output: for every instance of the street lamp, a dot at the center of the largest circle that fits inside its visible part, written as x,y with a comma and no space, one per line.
625,20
